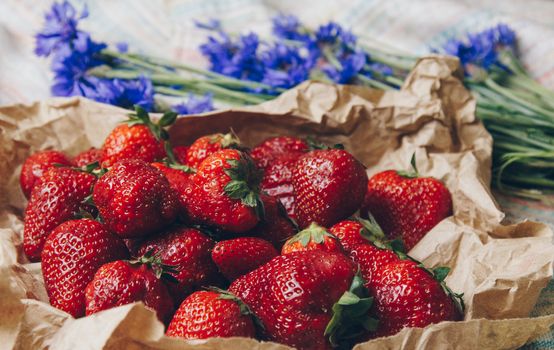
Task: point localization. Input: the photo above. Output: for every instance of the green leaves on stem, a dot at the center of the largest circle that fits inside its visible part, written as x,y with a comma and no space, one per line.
351,316
245,183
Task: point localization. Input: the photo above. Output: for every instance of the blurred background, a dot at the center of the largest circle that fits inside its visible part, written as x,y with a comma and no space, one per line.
166,28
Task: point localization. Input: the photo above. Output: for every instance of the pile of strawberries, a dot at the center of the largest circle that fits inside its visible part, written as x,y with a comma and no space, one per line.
288,242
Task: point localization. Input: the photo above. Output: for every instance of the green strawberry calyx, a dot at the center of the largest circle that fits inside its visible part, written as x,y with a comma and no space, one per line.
314,144
228,140
154,262
372,232
141,117
413,172
351,315
245,183
313,233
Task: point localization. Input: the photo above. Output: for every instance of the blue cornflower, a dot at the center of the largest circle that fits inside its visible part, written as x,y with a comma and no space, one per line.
70,67
195,105
128,93
333,33
285,66
505,35
289,27
60,28
350,66
237,59
380,68
482,49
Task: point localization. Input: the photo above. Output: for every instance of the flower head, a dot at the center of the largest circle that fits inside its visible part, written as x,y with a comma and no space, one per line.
289,27
481,50
285,66
128,93
60,28
195,105
334,33
235,58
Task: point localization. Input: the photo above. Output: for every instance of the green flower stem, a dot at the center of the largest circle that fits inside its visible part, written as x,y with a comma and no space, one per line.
163,63
374,83
394,61
521,137
199,85
394,81
507,93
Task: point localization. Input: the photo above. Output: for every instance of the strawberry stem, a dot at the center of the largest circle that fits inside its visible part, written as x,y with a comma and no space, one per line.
412,173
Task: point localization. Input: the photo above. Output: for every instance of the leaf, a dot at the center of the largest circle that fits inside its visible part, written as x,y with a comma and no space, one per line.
167,119
441,272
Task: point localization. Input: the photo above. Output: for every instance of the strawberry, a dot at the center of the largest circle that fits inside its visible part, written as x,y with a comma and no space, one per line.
178,177
124,282
303,297
57,197
189,251
180,153
238,256
208,145
276,147
71,255
407,205
329,185
207,314
135,199
276,227
88,157
349,233
407,295
139,138
225,192
312,238
35,165
277,180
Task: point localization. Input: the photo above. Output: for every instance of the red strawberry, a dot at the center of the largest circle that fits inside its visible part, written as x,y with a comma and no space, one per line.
179,179
276,227
312,238
189,251
123,282
57,197
88,157
371,259
139,138
35,165
277,180
207,314
349,233
135,199
208,145
238,256
180,153
405,205
71,255
329,186
407,295
225,192
294,297
276,147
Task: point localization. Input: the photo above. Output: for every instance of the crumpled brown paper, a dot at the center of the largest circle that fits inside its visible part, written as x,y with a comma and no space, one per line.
500,269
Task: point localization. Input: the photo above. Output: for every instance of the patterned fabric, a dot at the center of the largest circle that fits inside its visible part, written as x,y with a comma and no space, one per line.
166,29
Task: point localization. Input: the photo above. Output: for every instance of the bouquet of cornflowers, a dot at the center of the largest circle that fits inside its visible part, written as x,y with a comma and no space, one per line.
245,69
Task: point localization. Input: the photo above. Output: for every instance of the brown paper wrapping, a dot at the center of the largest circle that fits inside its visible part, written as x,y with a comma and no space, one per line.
500,269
